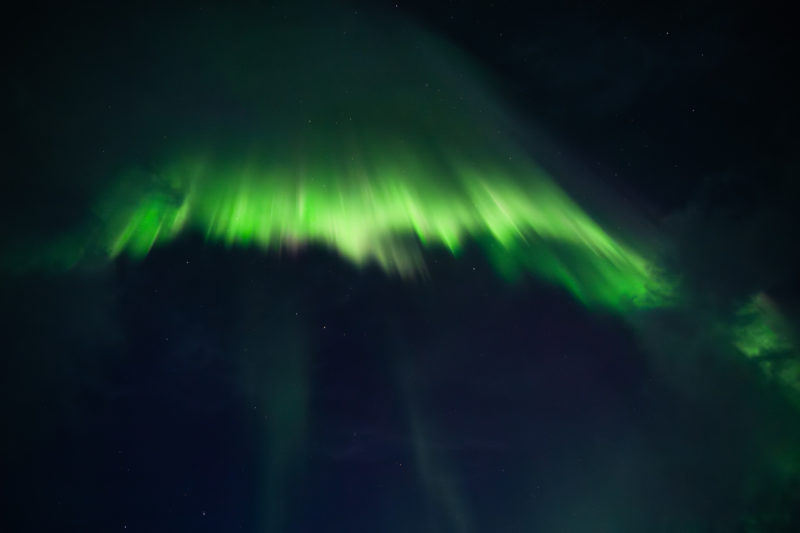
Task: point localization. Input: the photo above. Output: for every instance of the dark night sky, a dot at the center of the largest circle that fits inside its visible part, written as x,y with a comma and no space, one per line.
207,388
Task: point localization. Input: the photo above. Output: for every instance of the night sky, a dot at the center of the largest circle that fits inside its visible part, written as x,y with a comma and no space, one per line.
400,267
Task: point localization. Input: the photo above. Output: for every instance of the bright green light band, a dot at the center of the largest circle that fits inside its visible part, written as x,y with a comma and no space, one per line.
389,215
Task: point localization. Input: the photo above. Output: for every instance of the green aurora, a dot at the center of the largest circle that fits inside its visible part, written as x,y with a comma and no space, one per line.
376,142
379,153
394,144
518,212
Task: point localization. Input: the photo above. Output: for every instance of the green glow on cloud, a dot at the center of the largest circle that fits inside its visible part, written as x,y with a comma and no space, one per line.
762,333
760,330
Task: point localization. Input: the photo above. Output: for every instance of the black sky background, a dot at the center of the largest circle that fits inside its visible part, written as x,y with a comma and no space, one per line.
147,396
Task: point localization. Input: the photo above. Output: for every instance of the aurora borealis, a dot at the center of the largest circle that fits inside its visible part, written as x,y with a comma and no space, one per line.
379,218
436,267
416,152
